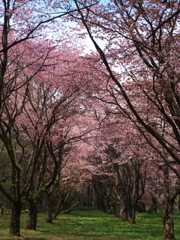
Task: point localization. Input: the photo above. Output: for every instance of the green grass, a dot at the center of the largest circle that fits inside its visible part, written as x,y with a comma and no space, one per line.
91,224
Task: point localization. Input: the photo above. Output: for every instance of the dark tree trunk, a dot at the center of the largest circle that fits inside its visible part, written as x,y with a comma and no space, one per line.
129,210
153,207
32,216
2,211
49,218
15,220
132,215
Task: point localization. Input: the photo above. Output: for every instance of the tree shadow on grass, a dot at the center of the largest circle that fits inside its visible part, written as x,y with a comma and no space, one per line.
34,238
24,238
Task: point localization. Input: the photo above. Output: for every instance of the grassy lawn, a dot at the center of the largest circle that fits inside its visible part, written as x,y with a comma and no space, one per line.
91,224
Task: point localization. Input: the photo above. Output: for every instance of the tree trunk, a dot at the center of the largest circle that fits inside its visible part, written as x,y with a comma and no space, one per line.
2,211
123,213
57,212
48,209
153,207
49,215
15,220
32,216
168,221
132,215
168,227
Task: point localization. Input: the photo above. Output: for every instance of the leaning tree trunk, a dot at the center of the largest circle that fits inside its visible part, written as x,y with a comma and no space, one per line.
32,215
15,220
57,212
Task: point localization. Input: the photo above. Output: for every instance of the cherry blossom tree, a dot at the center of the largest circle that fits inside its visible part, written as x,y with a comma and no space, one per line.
142,45
21,60
13,98
20,22
31,108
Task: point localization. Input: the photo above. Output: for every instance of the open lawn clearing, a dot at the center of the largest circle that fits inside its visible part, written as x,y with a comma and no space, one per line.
91,224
